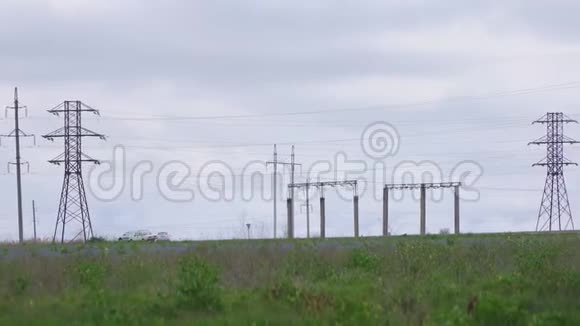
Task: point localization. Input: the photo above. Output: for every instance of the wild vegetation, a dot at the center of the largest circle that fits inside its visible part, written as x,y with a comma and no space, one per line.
435,280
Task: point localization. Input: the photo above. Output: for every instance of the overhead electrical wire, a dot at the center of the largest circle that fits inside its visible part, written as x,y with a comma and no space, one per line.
455,99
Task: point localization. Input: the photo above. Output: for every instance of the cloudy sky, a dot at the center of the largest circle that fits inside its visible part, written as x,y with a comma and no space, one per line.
196,88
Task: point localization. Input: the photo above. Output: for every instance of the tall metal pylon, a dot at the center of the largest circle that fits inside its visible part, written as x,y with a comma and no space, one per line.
555,207
17,134
73,200
275,163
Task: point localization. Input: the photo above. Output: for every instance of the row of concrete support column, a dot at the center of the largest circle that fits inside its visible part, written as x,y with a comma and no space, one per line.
290,211
423,210
422,221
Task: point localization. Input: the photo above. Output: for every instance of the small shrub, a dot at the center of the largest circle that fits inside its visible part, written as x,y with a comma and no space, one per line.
286,290
452,317
97,240
290,292
306,262
19,285
553,318
359,312
495,310
451,241
364,260
536,258
198,284
63,249
91,274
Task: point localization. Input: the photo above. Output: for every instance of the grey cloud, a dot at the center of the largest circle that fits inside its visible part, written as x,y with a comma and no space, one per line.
253,57
224,43
557,20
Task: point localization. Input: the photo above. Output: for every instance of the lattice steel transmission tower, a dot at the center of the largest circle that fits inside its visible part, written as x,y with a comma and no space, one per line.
73,200
555,207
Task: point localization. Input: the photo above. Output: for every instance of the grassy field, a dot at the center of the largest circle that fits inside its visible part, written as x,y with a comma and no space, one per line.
510,279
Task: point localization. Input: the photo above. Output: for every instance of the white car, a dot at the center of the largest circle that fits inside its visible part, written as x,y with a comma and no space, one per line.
144,235
127,236
141,235
163,236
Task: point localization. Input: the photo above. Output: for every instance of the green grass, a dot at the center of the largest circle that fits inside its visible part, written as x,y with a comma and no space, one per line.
512,279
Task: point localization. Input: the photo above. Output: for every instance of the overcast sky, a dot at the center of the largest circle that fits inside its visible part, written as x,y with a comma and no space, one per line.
206,81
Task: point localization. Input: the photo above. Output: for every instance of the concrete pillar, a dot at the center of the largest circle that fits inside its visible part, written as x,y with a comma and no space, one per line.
456,195
307,211
290,223
423,208
385,211
322,218
355,201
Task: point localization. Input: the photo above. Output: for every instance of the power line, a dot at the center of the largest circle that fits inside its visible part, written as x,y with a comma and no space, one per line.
508,189
187,144
438,132
517,92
